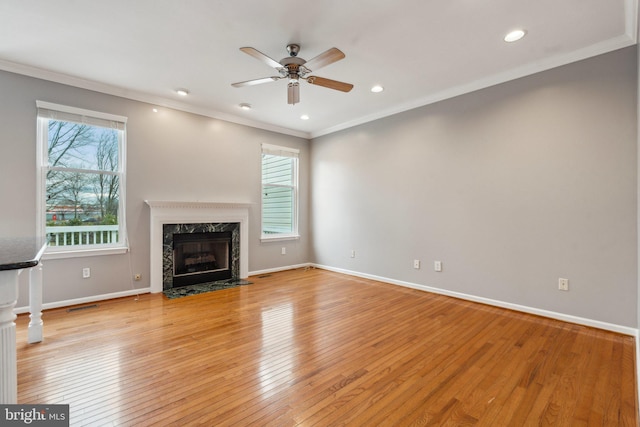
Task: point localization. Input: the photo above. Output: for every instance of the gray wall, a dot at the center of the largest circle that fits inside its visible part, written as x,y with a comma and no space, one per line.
511,187
171,155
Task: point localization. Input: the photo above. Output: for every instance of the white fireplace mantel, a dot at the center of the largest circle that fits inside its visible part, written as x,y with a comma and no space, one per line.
196,205
186,212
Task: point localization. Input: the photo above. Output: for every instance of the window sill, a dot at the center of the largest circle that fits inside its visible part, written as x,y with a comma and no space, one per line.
79,253
264,239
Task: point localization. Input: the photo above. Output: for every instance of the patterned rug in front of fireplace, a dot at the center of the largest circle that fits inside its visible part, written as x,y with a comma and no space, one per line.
200,288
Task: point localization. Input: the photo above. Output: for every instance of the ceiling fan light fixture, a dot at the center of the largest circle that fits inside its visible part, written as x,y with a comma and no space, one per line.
515,35
377,89
293,92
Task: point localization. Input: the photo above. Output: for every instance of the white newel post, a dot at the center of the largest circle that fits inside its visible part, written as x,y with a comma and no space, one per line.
35,304
8,362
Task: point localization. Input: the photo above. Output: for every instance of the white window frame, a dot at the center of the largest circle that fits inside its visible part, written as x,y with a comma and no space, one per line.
50,111
284,152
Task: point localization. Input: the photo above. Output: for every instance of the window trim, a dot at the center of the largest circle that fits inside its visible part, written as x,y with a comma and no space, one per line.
283,152
47,111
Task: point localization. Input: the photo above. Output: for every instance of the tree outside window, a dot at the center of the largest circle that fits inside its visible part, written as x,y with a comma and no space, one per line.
82,161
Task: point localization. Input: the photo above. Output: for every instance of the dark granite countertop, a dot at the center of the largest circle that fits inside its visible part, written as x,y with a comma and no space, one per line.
20,252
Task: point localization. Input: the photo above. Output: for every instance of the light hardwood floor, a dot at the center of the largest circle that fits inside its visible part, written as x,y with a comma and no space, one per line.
320,348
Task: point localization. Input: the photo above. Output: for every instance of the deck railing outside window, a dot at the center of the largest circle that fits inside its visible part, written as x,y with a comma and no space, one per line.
82,235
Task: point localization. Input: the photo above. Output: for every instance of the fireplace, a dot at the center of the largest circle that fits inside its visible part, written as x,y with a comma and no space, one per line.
201,257
200,253
169,218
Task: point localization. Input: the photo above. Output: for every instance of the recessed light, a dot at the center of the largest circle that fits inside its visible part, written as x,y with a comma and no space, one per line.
514,36
377,89
245,106
182,92
304,117
155,110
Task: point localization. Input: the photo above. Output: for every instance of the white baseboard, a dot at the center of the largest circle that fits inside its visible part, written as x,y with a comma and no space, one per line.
516,307
86,300
525,309
95,298
275,270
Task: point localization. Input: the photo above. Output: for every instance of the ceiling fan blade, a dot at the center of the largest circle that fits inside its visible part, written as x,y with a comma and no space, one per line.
331,84
328,57
262,57
255,82
293,93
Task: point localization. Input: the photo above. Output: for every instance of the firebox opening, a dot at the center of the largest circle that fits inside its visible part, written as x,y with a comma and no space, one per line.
201,257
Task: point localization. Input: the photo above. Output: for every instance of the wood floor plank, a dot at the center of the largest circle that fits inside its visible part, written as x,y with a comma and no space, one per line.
313,347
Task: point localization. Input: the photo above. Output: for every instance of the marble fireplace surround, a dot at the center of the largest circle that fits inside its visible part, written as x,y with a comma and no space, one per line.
176,212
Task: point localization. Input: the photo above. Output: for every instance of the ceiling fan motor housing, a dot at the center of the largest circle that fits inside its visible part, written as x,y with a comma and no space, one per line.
292,65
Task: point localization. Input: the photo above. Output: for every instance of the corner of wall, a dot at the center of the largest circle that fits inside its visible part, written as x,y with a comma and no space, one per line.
637,17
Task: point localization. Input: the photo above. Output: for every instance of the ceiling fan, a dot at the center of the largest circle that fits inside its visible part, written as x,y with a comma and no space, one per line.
295,68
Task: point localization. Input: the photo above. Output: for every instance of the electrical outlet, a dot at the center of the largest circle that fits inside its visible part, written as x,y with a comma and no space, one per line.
563,284
86,273
283,251
437,265
137,277
416,264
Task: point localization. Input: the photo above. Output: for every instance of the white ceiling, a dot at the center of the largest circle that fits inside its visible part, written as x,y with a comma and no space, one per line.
421,51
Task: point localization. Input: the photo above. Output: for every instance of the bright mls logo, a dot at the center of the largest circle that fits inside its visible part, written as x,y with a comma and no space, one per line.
34,415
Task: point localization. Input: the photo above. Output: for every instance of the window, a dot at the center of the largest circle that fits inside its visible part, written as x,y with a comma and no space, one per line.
279,192
81,159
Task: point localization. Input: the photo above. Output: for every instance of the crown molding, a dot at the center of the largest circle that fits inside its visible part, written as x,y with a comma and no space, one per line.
495,79
158,101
